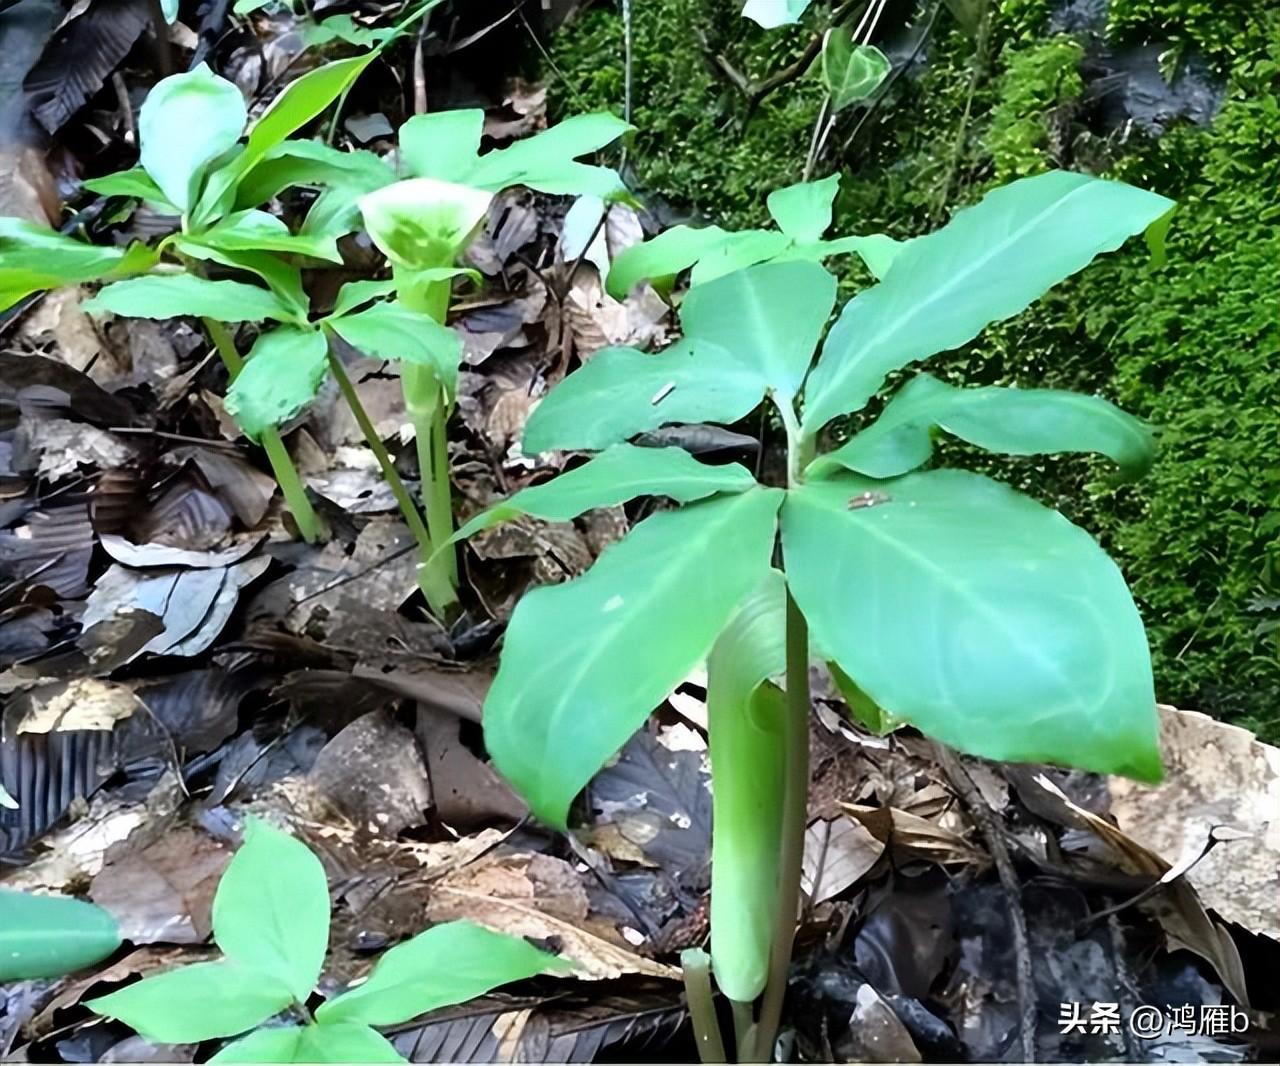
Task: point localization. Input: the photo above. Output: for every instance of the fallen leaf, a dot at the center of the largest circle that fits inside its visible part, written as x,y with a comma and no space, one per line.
837,852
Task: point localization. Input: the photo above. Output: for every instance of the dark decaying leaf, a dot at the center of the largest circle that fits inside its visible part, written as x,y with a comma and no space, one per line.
628,1027
45,773
38,385
53,548
81,56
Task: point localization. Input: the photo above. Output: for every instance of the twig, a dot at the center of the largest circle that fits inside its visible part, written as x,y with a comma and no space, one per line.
993,836
126,109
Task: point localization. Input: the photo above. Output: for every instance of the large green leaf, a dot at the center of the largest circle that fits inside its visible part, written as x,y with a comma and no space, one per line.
285,370
585,662
175,295
621,392
620,473
134,182
1009,421
254,230
443,145
876,250
34,257
851,72
803,212
300,102
447,964
340,1043
981,617
661,258
739,251
283,278
187,122
197,1002
990,262
746,719
271,910
769,317
392,331
546,161
774,13
47,936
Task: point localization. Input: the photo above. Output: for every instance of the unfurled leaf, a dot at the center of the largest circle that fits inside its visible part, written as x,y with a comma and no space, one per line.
391,331
621,392
447,964
355,294
864,709
444,145
345,28
768,317
271,910
187,122
422,223
299,102
255,230
282,278
803,212
616,475
851,72
661,258
315,163
343,1042
739,251
746,719
585,662
174,295
977,615
48,936
990,262
546,161
774,13
136,182
35,257
876,250
1009,421
197,1002
284,371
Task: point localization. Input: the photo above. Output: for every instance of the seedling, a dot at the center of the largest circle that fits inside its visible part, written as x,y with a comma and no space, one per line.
423,224
271,921
951,601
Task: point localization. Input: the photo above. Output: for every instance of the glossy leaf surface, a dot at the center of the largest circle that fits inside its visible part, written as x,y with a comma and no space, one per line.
283,373
990,262
449,963
271,910
984,619
1008,421
47,936
175,295
197,1002
585,662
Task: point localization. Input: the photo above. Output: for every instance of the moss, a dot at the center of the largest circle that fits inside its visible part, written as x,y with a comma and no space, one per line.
1194,346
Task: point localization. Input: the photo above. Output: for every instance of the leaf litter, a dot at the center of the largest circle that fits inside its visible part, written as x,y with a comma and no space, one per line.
173,660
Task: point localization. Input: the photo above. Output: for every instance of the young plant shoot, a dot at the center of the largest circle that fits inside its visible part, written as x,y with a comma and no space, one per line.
271,921
951,601
423,224
193,166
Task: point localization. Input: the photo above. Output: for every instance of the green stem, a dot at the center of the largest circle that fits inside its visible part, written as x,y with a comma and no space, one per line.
428,410
408,509
295,494
794,818
695,964
743,1025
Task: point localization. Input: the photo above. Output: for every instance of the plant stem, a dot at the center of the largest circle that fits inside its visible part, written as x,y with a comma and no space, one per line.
743,1025
428,410
286,474
794,818
408,509
696,966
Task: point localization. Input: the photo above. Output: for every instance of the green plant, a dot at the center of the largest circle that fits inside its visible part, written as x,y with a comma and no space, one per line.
193,166
271,921
47,936
424,223
951,601
802,213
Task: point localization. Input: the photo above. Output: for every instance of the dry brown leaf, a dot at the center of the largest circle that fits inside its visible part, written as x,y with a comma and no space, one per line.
837,852
531,896
1217,775
914,837
84,703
